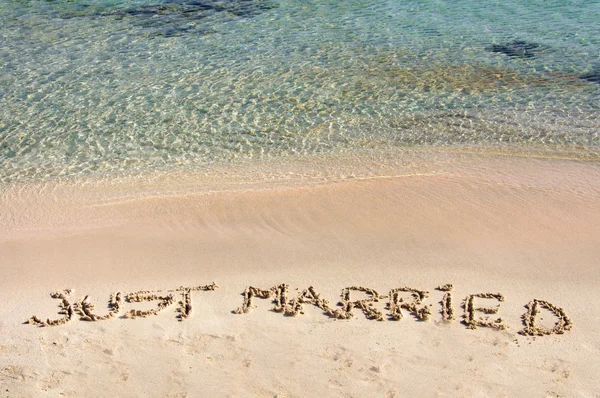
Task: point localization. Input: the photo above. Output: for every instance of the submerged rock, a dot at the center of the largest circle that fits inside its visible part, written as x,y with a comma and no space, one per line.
177,17
167,17
593,77
517,49
200,8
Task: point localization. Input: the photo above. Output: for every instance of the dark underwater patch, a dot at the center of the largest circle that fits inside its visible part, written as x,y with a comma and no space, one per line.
593,77
516,49
177,17
167,17
195,8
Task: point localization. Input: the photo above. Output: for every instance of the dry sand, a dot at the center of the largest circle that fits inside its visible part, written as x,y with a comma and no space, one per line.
522,227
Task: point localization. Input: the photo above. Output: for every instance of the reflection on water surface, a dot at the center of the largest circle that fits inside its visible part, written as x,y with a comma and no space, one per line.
105,87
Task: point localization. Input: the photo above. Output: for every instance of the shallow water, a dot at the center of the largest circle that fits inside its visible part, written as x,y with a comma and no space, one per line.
118,87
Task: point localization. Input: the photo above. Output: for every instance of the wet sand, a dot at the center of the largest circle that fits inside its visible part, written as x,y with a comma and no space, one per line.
525,228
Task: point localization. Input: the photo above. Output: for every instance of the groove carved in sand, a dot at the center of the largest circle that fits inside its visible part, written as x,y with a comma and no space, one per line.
472,322
397,302
185,309
447,308
144,295
279,294
66,309
85,308
533,329
365,305
295,306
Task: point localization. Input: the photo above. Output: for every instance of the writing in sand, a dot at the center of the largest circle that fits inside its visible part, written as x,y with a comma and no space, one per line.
397,302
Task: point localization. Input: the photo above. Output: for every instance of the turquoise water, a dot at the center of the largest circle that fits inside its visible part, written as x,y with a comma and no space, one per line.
108,87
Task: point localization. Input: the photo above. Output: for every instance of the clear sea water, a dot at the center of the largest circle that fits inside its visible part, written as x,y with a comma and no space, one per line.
121,86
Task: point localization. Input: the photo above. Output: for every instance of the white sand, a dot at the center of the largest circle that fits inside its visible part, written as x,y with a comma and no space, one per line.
527,228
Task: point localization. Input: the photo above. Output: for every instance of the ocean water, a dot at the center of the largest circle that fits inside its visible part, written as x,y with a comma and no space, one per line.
112,87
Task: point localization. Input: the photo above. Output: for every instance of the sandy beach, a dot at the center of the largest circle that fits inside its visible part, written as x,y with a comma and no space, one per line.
524,228
280,198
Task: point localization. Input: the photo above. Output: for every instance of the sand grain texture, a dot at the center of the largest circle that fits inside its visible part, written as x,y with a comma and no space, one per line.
526,231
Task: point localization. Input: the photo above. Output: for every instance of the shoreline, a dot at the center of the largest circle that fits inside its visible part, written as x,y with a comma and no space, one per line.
57,200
